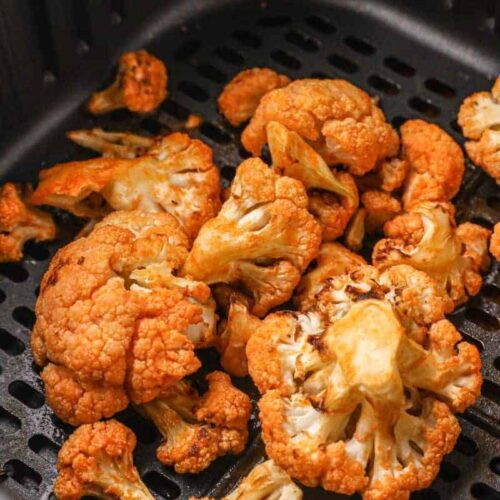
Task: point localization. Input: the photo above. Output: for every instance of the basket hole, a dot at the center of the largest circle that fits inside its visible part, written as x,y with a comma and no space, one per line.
144,429
215,133
37,251
397,121
175,109
212,73
424,107
473,341
484,492
495,465
194,91
343,63
230,56
321,24
228,172
274,21
186,50
151,125
14,272
305,42
24,316
399,67
320,75
26,394
466,446
360,46
8,422
44,447
440,88
449,472
161,485
496,363
247,38
286,59
482,319
383,84
491,390
10,344
23,474
427,494
2,296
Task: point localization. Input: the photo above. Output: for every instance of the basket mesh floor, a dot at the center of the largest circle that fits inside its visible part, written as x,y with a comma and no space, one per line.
412,78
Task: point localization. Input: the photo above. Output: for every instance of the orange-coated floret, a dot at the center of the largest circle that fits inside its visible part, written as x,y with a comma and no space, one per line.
427,239
388,176
495,242
97,461
262,239
241,96
436,163
140,85
20,222
337,118
177,175
336,415
114,322
196,429
380,207
479,117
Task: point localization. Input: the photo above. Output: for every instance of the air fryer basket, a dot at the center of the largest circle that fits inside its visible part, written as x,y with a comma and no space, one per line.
421,58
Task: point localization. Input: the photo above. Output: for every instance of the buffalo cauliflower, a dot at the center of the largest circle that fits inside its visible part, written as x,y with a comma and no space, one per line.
262,239
114,323
241,96
495,242
427,239
479,117
338,119
353,399
177,175
333,197
389,176
333,259
380,207
436,163
97,461
20,222
196,429
140,85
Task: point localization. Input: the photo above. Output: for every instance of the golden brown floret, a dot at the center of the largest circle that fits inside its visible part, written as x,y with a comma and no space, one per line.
177,175
337,118
140,85
427,239
495,242
262,239
20,222
486,152
388,176
380,207
335,415
355,231
113,322
436,163
241,96
97,461
196,429
333,259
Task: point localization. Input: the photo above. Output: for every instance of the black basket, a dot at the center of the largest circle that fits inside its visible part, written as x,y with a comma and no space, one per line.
421,58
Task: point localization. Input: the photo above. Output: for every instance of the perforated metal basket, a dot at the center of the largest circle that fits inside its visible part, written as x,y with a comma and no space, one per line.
421,59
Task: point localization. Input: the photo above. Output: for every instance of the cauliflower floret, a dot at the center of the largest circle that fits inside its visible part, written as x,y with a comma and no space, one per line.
380,207
263,237
196,429
436,163
97,461
355,231
495,242
333,197
108,328
338,119
486,152
388,176
427,239
334,413
177,175
140,85
241,96
333,259
20,222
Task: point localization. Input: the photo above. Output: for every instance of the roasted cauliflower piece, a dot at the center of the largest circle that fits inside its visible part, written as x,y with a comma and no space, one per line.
262,239
333,197
436,163
338,119
352,399
427,239
140,85
20,222
380,207
241,96
114,323
333,260
177,175
479,117
196,429
97,461
495,242
389,176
